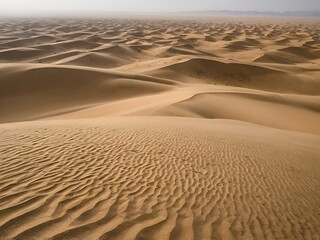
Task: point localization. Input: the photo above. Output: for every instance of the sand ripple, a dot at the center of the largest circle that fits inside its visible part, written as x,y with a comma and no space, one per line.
157,178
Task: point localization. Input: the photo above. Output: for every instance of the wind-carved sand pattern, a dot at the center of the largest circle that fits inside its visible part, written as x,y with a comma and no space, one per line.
158,129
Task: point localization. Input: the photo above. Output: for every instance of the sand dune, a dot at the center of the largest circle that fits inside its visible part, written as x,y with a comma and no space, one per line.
159,129
29,90
163,178
93,60
240,74
21,54
268,110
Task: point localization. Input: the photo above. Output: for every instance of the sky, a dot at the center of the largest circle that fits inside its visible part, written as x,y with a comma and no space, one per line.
30,6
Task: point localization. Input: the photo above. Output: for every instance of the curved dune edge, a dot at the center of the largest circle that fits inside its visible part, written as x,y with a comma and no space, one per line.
157,178
44,91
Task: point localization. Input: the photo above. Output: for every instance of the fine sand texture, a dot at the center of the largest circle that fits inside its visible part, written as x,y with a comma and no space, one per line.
159,129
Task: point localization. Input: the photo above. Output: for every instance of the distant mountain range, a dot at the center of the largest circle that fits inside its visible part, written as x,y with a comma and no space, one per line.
315,13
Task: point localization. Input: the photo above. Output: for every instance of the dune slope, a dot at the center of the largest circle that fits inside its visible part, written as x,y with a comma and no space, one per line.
157,178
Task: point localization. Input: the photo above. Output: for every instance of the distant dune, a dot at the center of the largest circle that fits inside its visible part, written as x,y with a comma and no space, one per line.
160,129
314,13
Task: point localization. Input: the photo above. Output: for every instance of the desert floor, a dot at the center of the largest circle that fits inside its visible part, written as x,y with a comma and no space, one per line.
159,129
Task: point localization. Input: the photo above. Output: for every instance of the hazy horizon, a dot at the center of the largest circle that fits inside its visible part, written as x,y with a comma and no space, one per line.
75,6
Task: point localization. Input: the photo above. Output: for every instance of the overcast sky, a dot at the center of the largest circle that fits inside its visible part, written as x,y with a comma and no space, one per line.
28,6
